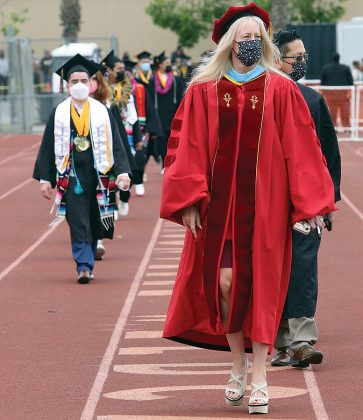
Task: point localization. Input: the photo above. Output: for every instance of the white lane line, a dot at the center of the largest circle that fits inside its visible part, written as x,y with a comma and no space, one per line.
5,137
167,258
168,274
352,206
28,252
158,283
315,396
155,293
175,243
102,374
143,334
161,266
359,152
131,351
24,151
15,188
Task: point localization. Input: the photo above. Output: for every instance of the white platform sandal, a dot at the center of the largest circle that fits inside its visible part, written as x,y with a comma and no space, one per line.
241,380
258,405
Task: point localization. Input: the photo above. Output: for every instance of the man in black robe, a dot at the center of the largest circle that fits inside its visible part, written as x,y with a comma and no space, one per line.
124,110
145,76
82,154
298,332
168,95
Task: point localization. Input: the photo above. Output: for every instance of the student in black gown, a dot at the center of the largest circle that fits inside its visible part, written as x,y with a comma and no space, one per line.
144,75
82,155
168,95
149,124
123,106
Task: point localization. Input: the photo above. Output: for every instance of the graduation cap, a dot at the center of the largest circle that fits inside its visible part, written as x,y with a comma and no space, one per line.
129,64
160,58
143,54
100,67
234,13
110,60
76,63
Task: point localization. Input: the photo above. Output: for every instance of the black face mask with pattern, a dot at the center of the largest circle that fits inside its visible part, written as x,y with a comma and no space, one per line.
249,52
298,70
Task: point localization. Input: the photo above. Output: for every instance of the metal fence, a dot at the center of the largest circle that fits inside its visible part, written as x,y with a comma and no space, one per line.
345,104
26,99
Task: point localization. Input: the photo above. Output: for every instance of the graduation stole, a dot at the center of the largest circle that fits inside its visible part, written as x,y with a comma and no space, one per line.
161,86
99,130
139,91
122,93
99,127
82,121
143,78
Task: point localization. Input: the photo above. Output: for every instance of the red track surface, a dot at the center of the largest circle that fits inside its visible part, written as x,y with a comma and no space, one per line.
94,352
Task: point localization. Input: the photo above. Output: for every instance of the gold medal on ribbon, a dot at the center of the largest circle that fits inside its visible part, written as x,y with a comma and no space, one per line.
81,143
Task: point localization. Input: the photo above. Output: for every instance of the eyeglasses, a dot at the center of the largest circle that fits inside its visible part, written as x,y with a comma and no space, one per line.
299,58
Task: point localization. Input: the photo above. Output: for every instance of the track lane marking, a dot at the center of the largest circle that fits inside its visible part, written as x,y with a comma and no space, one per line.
103,371
309,376
352,206
23,152
26,253
315,396
16,188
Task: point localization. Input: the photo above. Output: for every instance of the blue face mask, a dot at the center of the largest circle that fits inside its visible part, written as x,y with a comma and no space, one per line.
145,67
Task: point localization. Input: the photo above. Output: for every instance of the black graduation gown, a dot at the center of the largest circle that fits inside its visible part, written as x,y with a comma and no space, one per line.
152,119
121,128
302,294
150,87
166,104
152,125
82,210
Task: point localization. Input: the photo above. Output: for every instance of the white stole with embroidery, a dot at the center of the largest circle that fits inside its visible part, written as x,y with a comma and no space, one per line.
100,133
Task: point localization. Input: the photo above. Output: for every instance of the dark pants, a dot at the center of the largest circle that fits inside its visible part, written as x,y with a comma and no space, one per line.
297,326
302,294
84,255
163,145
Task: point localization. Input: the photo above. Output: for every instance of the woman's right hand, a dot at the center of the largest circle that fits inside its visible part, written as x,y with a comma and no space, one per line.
191,219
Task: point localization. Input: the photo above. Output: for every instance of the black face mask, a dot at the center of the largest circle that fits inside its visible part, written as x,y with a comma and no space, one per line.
121,76
298,70
249,52
168,69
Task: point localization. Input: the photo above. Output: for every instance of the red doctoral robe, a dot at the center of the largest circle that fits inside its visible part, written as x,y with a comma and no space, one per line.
247,155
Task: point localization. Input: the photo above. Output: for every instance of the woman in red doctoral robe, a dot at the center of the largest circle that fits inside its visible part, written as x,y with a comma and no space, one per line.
243,165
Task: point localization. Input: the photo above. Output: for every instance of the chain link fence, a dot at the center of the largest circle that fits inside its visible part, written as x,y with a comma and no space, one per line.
26,95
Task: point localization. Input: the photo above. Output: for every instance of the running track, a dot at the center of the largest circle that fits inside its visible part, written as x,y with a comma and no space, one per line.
94,352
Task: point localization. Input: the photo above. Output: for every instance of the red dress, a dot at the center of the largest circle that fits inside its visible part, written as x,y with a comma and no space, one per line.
248,156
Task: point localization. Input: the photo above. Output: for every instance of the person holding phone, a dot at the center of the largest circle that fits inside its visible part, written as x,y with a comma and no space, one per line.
298,332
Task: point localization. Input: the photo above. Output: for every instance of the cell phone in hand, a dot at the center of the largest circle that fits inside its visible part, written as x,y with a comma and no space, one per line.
302,227
328,221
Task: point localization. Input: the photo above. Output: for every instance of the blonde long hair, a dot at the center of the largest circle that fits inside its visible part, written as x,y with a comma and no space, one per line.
220,61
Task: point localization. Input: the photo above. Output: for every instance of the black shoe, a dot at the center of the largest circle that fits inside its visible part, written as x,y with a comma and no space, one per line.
282,357
305,356
84,277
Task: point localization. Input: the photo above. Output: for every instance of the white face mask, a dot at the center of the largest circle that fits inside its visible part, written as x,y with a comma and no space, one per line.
79,91
145,67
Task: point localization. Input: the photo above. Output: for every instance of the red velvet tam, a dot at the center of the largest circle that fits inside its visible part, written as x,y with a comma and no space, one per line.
234,13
